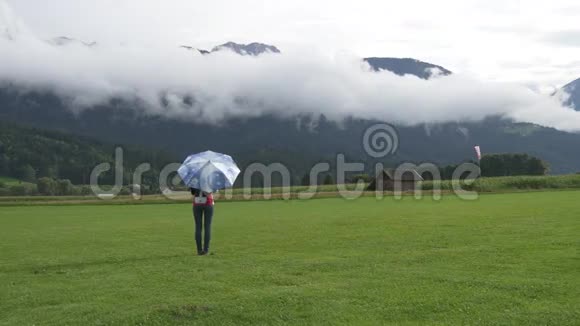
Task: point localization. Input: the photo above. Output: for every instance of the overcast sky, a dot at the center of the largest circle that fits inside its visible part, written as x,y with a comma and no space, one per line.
531,42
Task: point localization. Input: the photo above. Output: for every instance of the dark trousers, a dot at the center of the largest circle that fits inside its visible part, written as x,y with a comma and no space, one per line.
202,216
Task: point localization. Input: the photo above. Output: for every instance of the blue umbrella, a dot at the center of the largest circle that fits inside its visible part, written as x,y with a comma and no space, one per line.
209,171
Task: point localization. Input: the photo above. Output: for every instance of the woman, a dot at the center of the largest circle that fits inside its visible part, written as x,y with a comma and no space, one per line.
202,214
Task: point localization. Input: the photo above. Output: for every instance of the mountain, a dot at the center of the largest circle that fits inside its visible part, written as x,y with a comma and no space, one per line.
574,90
254,49
399,66
298,142
407,66
191,48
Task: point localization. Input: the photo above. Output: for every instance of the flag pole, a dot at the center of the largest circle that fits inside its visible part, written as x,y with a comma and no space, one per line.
478,154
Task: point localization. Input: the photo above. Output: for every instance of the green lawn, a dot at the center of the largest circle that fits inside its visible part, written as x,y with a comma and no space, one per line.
504,259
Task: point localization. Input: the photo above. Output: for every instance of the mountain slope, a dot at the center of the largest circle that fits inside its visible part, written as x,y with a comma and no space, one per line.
407,66
573,89
399,66
65,156
254,49
191,48
269,138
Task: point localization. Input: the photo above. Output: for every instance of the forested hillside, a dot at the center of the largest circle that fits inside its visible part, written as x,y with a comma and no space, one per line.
29,154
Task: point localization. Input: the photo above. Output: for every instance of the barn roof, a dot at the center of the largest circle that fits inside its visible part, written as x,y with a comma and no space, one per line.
409,175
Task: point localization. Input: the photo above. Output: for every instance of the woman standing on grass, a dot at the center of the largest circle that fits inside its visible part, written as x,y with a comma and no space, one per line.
202,214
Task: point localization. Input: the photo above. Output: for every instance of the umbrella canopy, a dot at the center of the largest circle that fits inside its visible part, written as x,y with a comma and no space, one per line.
209,171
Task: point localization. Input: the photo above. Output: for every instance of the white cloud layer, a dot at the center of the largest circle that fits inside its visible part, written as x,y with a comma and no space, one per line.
225,84
477,37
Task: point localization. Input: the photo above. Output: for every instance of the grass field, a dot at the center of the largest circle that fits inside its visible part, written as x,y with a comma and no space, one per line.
16,193
9,181
503,259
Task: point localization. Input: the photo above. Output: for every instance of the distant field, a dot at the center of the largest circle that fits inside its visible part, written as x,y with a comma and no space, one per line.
481,185
502,184
9,181
503,259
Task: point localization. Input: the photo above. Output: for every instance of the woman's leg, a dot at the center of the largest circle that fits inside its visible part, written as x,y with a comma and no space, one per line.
207,227
198,217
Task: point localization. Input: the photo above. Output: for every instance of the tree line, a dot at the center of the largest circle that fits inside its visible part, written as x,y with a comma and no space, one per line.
504,165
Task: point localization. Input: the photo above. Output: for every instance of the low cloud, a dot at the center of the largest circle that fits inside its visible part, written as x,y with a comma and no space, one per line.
223,84
566,38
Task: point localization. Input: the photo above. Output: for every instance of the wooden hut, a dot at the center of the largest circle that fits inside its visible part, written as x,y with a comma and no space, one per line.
407,180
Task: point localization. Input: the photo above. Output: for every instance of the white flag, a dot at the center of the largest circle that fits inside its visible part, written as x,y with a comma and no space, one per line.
478,152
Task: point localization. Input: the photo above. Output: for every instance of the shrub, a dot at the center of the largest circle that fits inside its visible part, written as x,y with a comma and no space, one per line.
64,187
18,190
328,180
85,190
46,186
528,183
125,191
27,173
32,190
